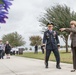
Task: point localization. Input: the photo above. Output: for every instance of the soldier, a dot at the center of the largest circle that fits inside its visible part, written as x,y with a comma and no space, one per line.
51,41
72,31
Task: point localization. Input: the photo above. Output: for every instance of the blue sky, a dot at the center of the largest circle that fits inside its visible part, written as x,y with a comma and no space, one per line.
24,14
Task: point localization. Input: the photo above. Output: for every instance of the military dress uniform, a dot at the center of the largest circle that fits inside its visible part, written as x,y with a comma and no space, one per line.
52,42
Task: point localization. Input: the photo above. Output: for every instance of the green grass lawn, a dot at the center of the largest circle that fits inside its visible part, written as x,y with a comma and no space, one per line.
65,57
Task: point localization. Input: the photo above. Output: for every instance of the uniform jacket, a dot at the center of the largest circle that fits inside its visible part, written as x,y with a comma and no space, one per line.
51,40
73,35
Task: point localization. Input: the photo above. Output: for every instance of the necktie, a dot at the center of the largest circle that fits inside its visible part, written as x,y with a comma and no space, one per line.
50,31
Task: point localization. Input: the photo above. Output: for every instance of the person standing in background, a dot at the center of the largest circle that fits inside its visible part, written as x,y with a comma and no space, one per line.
7,50
36,48
1,49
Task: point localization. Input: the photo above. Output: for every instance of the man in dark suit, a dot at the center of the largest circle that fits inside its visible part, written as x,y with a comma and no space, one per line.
51,41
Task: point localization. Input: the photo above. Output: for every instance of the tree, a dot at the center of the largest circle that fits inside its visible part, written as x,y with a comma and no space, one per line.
60,15
35,40
14,39
1,2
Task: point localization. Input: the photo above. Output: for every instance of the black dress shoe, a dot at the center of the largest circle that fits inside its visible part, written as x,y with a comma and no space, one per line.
58,67
46,65
73,70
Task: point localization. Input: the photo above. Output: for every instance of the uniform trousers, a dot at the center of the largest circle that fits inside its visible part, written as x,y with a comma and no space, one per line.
56,54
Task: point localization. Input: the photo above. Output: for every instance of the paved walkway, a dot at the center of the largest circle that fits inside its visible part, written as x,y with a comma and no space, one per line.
27,66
